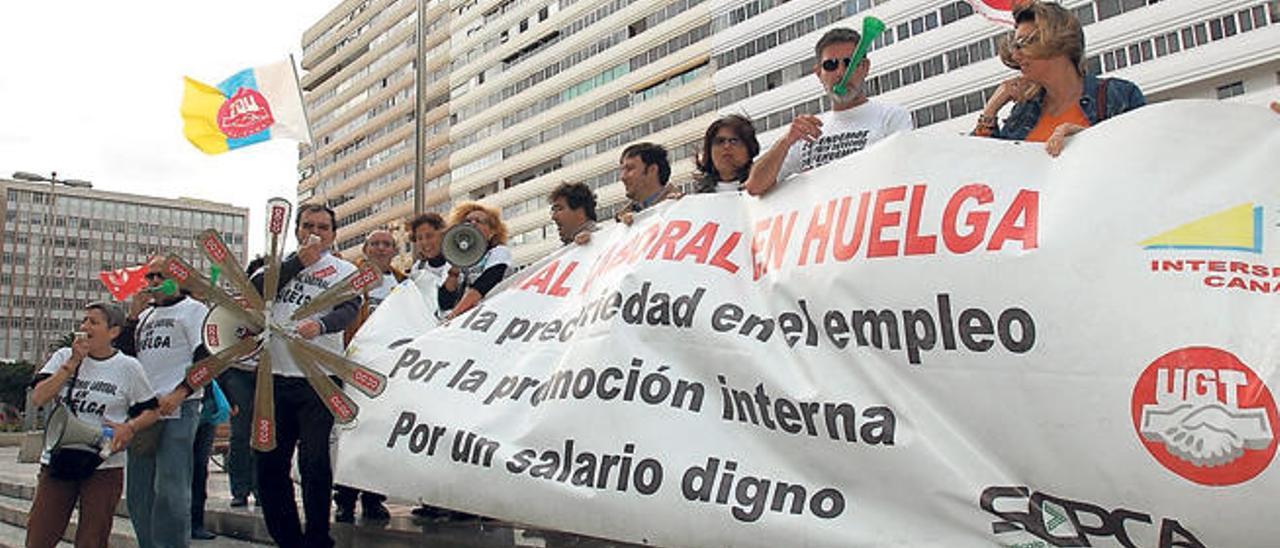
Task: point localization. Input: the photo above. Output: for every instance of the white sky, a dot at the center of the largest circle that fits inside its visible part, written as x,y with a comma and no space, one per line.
91,90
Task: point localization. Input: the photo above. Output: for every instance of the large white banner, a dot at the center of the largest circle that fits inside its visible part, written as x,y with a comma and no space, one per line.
940,341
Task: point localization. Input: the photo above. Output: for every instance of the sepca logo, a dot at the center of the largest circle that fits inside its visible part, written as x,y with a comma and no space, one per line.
1205,416
1039,520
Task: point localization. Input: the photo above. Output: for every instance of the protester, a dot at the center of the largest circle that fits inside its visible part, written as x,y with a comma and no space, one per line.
379,249
238,383
1054,97
728,150
425,231
644,170
853,123
109,389
573,210
302,420
214,410
464,287
165,332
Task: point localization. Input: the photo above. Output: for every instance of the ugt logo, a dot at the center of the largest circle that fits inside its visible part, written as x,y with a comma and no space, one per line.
1205,416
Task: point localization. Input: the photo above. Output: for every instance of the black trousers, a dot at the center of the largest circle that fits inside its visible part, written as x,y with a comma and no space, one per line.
304,422
200,472
345,497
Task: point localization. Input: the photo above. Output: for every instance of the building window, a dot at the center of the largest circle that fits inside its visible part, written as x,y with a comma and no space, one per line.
1230,90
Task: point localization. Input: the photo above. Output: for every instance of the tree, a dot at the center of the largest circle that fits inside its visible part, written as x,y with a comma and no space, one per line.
14,377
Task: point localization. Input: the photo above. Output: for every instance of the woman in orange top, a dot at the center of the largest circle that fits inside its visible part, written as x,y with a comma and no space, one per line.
1053,97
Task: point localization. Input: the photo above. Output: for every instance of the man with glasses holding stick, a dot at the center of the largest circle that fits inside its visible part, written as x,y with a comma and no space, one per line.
852,124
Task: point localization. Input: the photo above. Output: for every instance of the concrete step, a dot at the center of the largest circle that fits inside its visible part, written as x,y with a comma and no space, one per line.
14,512
245,526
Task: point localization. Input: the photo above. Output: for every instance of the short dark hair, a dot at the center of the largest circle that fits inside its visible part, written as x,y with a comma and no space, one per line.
650,154
577,196
311,208
429,218
115,316
838,35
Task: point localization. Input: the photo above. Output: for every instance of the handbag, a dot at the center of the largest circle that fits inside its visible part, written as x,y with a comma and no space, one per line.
72,462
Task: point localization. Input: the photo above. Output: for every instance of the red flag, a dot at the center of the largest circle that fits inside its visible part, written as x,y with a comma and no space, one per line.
124,282
999,11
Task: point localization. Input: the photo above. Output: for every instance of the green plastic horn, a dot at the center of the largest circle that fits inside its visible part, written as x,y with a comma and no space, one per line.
169,287
872,28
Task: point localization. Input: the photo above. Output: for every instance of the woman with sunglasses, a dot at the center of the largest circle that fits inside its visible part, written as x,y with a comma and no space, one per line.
464,287
728,149
1053,98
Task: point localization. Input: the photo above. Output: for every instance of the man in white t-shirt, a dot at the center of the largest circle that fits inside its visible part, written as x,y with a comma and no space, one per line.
852,124
302,420
165,334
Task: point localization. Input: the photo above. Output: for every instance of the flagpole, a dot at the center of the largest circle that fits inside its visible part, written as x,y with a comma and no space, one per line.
306,119
419,144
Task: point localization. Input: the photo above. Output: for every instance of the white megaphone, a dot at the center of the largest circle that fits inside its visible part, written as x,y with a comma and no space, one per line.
66,431
463,245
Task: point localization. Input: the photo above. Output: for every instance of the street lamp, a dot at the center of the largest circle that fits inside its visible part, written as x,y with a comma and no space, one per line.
43,287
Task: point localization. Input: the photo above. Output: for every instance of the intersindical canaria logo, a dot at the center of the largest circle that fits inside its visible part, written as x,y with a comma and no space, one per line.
1205,416
1223,250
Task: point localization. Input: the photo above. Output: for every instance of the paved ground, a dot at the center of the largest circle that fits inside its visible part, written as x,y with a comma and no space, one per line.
243,527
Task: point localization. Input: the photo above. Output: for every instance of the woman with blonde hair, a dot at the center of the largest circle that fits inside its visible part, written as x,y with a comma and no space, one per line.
464,287
1053,97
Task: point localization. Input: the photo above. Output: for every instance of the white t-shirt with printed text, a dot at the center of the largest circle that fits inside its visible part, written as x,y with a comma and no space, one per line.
309,283
104,391
845,132
168,336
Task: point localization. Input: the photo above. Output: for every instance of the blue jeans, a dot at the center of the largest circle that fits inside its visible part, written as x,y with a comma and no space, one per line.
158,486
238,385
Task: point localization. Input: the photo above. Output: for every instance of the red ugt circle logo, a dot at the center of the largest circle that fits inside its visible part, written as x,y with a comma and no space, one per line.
1205,416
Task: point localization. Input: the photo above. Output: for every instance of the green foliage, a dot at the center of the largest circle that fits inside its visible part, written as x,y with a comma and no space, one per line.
14,378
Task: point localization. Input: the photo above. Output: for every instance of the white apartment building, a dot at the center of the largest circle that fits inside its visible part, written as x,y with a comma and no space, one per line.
520,96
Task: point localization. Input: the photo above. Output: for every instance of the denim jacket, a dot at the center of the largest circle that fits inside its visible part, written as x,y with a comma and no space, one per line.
1121,95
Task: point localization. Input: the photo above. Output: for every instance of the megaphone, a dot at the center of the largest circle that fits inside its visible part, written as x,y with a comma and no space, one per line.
66,431
463,245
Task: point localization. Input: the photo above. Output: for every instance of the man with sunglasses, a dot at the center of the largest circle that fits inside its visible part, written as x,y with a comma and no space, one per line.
163,332
852,124
379,249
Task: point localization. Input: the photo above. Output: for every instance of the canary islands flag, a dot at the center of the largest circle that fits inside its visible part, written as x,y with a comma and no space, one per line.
251,106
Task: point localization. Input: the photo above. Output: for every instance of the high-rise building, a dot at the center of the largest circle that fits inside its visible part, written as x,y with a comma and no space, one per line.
520,96
57,240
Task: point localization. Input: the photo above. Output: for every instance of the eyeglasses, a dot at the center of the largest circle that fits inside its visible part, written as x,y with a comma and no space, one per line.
381,243
833,64
1020,43
321,227
476,220
722,141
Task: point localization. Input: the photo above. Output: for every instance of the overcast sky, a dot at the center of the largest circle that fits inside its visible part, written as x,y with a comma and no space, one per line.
91,90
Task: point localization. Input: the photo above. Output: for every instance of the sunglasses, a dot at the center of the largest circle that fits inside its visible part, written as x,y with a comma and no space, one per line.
833,64
1020,43
381,243
722,141
154,276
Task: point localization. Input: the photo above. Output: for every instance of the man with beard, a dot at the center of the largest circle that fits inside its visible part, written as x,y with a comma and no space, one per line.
852,124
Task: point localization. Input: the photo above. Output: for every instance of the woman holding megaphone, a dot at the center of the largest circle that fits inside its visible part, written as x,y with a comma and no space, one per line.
102,398
475,269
